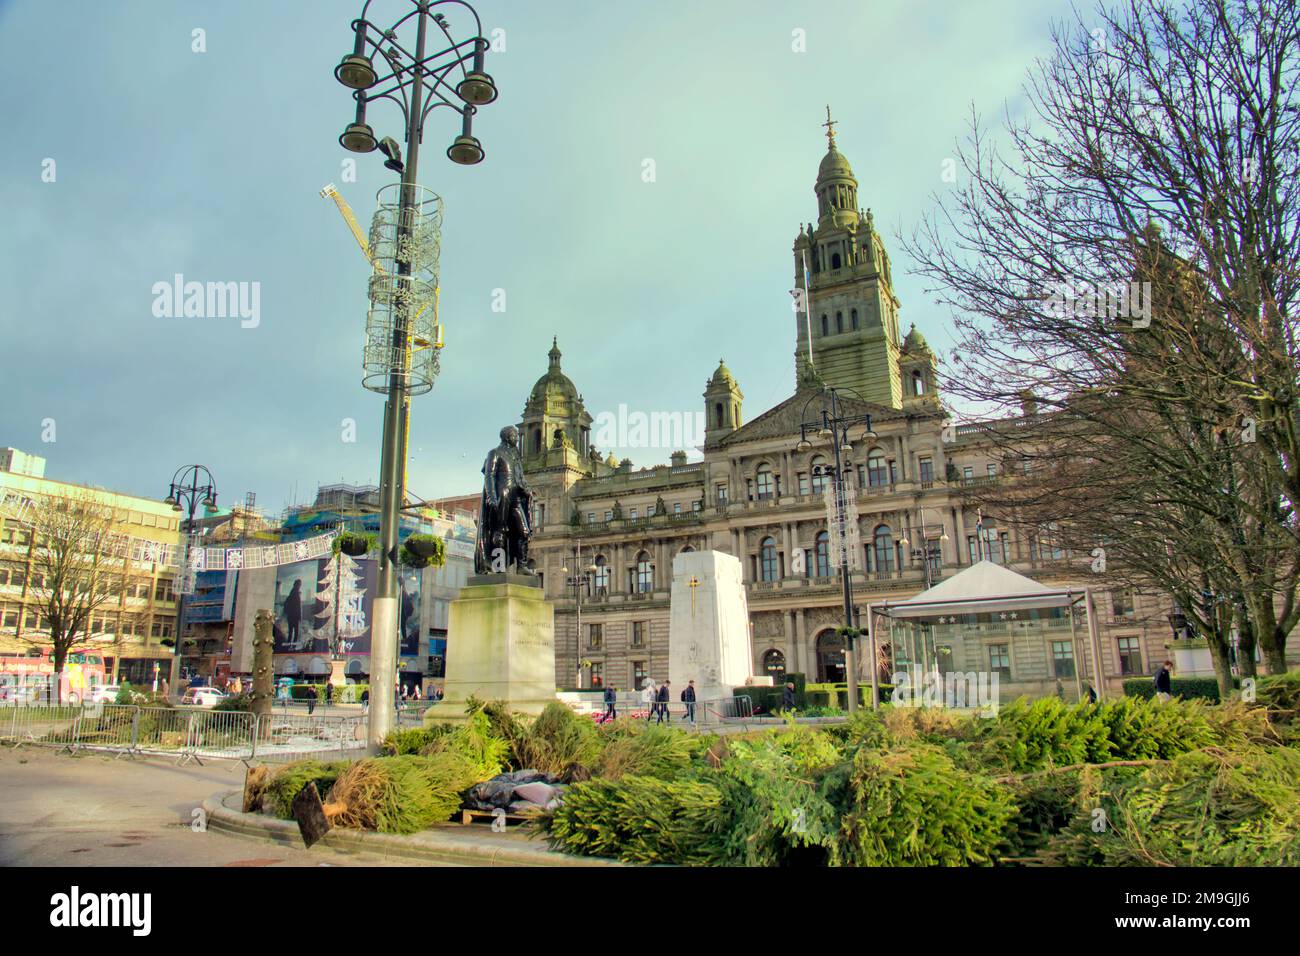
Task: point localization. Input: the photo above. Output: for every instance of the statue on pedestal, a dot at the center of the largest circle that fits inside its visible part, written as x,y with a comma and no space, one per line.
505,521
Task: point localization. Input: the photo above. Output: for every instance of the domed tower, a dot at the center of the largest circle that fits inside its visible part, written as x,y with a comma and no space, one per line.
722,398
849,313
554,418
919,370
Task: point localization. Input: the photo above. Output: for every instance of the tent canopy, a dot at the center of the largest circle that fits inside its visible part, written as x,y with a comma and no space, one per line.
982,588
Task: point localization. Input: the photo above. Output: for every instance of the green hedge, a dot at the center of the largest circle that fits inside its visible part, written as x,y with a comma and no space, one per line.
1188,688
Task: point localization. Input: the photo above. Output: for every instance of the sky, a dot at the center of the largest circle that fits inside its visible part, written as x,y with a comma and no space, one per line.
167,160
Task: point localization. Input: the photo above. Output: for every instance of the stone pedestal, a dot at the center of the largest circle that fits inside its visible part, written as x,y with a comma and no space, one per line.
708,635
500,646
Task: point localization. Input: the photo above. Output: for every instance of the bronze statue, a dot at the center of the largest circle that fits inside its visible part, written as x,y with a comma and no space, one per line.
505,521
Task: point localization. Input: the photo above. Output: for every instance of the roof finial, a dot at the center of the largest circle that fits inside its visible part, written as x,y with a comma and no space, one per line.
830,127
555,352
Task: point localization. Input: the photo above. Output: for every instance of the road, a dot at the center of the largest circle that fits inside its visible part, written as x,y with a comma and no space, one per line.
93,810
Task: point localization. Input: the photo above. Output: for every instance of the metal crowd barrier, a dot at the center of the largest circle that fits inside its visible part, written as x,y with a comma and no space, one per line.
186,733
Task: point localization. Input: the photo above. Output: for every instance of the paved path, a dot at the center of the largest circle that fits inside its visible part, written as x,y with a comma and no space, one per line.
92,810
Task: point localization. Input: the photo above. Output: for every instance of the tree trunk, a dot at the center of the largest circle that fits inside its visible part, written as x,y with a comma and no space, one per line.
1221,655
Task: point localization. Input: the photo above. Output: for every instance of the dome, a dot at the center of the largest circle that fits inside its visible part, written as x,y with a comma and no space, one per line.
554,384
834,165
723,375
915,341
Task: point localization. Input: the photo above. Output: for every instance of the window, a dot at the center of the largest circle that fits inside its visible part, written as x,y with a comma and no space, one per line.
639,630
991,469
697,504
595,635
803,483
764,483
820,474
609,516
884,549
1000,659
926,466
839,318
821,563
677,507
591,517
597,674
639,674
774,667
644,573
835,264
717,408
853,318
968,472
877,469
1062,659
1121,603
632,514
541,516
1130,656
826,329
602,575
721,493
767,560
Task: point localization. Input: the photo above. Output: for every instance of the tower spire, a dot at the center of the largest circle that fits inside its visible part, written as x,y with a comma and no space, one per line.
830,127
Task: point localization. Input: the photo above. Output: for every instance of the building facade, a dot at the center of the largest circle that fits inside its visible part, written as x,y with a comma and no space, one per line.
135,628
607,533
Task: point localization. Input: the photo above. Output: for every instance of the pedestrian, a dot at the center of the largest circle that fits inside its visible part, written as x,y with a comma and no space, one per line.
787,696
329,692
611,712
365,701
648,696
688,698
1164,687
662,698
311,699
1092,695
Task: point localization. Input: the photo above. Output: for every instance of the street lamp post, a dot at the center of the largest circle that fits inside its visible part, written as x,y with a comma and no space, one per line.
578,581
419,82
834,424
194,485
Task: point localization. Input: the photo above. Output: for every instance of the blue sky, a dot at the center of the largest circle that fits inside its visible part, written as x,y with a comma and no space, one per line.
209,164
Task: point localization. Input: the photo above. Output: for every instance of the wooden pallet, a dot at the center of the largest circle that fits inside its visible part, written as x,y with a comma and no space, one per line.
468,817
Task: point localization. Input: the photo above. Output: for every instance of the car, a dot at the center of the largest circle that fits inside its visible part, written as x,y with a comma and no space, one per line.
202,697
103,694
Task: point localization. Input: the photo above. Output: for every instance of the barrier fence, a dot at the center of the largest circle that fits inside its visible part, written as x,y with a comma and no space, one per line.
187,734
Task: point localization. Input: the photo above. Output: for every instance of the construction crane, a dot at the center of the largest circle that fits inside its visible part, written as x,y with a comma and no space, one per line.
329,192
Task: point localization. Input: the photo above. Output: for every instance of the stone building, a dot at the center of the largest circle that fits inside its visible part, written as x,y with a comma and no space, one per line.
615,530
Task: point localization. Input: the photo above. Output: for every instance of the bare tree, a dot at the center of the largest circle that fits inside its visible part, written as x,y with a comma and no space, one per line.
77,564
1133,266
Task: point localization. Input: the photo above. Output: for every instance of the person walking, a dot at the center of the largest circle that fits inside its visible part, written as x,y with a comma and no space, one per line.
787,696
662,706
311,699
1164,686
611,699
329,692
688,698
365,701
648,697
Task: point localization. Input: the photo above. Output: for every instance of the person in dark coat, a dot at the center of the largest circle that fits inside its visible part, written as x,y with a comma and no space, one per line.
661,703
311,699
688,698
787,696
293,613
1164,686
329,692
611,698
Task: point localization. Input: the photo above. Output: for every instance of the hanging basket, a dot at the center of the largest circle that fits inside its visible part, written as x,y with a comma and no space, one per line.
423,550
354,545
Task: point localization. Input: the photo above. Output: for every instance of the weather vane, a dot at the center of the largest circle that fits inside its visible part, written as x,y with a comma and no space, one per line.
830,127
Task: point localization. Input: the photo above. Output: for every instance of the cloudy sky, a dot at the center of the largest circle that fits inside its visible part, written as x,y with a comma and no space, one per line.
209,164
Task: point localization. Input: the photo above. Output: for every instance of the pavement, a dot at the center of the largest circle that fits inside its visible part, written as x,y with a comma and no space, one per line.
94,810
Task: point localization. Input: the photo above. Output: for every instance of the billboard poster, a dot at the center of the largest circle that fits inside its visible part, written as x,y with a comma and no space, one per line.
297,628
408,605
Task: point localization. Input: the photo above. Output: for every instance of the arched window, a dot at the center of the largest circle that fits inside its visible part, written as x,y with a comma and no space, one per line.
820,474
822,555
602,575
835,260
918,384
774,666
537,440
763,483
644,573
853,318
884,549
839,322
767,563
826,329
830,657
877,470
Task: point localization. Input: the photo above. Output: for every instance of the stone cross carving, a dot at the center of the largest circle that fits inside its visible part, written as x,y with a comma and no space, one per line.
693,583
